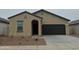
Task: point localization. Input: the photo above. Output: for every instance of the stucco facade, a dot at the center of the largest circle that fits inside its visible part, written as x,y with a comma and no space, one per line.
27,28
51,19
4,29
41,17
4,25
74,29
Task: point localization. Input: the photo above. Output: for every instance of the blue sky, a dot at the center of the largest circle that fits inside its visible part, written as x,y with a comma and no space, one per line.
72,14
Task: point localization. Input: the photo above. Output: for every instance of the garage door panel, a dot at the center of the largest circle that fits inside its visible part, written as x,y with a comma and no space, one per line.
53,29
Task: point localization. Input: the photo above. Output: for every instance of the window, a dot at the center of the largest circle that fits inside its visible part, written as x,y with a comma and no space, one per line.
19,26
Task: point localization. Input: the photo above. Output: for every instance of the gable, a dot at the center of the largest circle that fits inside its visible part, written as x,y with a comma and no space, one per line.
50,18
25,12
23,16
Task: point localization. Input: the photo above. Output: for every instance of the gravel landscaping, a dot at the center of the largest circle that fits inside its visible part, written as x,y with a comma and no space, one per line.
13,41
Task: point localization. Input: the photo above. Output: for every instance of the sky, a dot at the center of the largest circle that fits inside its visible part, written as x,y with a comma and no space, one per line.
72,14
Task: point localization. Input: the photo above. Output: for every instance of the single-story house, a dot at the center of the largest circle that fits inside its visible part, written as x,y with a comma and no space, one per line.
38,23
4,26
74,27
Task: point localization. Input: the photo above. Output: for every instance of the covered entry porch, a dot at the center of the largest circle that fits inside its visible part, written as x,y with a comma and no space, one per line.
36,28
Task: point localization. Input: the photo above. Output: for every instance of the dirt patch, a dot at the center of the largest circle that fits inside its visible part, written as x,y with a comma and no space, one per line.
9,41
75,35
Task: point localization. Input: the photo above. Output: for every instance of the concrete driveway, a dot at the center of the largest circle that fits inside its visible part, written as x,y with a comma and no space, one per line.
54,42
61,42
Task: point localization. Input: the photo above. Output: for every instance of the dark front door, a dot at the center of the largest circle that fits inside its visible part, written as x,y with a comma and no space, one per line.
34,27
55,29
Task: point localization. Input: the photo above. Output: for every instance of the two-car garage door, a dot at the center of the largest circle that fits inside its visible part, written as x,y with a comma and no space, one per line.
54,29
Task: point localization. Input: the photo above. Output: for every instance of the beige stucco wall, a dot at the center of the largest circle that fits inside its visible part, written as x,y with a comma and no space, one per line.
27,29
4,29
71,29
77,29
74,29
51,19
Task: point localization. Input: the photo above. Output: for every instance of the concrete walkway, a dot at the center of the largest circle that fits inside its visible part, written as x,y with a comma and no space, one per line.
54,42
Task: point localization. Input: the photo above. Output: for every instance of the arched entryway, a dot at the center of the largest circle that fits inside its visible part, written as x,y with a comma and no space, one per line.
35,27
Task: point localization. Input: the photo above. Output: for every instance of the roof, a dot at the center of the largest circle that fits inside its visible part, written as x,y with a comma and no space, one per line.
51,14
23,13
74,22
2,20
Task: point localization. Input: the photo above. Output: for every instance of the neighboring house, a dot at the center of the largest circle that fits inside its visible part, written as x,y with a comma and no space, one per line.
74,27
39,23
4,26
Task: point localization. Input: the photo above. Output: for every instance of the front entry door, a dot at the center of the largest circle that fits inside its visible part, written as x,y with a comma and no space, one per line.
34,27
